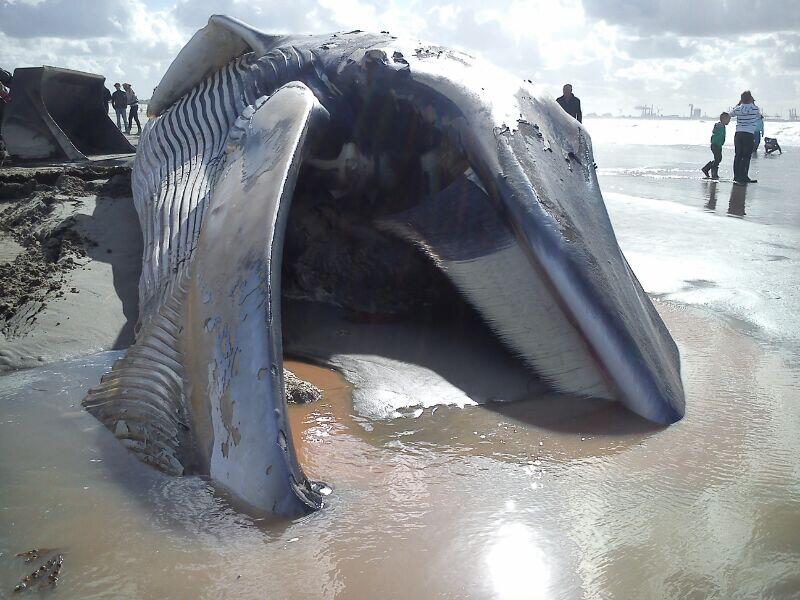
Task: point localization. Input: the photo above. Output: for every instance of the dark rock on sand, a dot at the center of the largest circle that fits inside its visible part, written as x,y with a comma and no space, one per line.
299,391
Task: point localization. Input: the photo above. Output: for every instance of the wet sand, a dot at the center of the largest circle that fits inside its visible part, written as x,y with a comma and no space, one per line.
458,502
70,257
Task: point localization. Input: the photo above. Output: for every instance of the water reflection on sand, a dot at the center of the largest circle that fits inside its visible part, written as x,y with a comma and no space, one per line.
540,499
736,203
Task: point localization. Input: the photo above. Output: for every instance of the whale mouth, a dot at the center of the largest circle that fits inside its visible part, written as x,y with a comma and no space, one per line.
349,264
341,245
349,258
394,217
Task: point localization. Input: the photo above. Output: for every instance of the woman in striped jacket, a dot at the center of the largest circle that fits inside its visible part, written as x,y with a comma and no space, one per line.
747,116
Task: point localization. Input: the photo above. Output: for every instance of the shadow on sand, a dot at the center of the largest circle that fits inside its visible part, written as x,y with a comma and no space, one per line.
736,203
114,228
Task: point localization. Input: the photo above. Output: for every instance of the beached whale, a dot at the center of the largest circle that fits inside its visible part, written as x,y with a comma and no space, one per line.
375,175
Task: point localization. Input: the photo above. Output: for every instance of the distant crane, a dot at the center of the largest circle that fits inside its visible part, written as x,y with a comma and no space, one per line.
647,111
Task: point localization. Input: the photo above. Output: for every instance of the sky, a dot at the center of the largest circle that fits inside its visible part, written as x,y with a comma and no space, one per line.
618,54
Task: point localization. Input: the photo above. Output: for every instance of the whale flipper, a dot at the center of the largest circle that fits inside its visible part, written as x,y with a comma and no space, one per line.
234,310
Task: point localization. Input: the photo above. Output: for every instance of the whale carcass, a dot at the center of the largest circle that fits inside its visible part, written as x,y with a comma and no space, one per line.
441,172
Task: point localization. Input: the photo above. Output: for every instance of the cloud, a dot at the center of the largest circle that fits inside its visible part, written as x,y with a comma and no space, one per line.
658,47
693,18
75,19
280,16
791,60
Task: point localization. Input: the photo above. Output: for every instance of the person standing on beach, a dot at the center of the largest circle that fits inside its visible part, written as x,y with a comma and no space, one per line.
5,93
5,96
571,104
133,103
119,100
717,141
747,115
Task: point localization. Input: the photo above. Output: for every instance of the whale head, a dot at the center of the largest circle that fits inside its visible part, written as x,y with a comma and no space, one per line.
440,171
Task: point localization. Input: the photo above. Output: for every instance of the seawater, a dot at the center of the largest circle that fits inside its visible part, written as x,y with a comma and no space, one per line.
534,499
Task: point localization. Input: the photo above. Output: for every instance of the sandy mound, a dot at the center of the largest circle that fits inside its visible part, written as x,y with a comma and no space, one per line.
70,257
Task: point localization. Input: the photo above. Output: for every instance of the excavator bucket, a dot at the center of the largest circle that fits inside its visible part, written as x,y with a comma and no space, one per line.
59,114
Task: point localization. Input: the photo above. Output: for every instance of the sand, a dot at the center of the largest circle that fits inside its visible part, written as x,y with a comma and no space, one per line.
70,257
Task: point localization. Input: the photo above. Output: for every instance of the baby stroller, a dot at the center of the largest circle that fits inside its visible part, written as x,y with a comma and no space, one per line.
771,145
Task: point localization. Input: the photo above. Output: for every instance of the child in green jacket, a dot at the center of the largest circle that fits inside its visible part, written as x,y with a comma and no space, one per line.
717,141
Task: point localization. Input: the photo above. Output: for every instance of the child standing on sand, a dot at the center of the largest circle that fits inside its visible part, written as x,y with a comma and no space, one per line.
717,141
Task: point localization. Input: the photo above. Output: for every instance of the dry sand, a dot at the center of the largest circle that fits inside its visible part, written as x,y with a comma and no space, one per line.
70,258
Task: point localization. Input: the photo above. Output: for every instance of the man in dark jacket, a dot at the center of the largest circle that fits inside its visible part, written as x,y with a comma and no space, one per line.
106,97
119,100
571,104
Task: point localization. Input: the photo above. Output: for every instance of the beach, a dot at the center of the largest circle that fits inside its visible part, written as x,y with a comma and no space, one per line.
448,494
